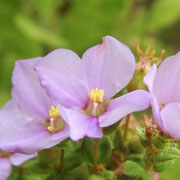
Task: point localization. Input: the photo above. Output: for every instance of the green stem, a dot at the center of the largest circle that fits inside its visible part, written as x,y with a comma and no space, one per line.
95,154
148,165
61,163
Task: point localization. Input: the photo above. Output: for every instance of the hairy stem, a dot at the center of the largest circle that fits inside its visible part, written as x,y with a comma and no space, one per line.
95,153
126,126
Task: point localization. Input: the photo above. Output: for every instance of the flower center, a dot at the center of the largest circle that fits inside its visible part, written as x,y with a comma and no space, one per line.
55,123
95,106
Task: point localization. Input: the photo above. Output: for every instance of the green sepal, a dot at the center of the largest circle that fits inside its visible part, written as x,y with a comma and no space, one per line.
166,155
161,142
162,166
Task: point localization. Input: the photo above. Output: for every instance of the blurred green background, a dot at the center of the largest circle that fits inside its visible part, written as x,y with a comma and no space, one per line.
31,28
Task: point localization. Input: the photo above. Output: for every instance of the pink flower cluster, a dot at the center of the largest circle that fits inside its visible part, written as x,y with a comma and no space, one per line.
62,95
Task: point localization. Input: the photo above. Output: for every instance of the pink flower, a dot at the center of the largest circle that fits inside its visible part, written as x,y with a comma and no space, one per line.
164,87
26,119
83,88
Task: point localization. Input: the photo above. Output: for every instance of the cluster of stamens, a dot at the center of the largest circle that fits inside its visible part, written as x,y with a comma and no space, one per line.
95,106
147,57
56,123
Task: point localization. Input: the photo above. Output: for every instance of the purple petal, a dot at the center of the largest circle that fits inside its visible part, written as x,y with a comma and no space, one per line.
149,81
27,91
166,82
171,120
63,78
22,134
156,111
18,159
19,132
118,108
149,78
56,138
5,168
109,66
81,124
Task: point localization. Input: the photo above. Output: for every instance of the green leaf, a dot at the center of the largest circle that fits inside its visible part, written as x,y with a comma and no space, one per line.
62,176
138,158
133,169
29,177
73,160
104,149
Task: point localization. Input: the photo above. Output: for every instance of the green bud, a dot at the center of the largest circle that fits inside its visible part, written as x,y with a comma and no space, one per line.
134,145
161,142
137,81
162,166
48,156
167,154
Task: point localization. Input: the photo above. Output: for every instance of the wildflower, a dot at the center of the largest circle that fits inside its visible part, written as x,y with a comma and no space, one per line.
7,160
164,87
84,88
30,121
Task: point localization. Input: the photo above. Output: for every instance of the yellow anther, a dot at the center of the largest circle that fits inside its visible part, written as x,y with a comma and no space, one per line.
54,112
97,95
49,128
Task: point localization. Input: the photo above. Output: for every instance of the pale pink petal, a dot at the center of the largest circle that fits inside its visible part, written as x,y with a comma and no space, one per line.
27,91
22,134
120,107
149,77
109,66
63,78
149,81
5,168
81,124
18,159
171,120
166,82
